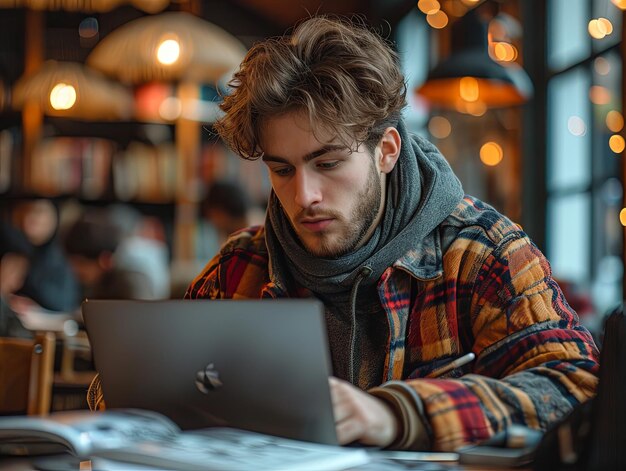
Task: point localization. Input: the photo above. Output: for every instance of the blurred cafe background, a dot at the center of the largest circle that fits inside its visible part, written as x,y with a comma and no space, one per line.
113,183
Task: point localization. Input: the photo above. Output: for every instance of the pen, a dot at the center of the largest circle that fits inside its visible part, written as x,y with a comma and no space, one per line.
464,360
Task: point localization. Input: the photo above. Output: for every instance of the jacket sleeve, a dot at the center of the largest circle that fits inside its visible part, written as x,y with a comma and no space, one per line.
238,271
534,361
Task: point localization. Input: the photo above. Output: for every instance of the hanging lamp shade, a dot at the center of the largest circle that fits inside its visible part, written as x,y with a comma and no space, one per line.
72,90
470,76
166,47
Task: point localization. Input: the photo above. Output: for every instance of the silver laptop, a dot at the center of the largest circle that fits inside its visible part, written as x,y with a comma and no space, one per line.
259,365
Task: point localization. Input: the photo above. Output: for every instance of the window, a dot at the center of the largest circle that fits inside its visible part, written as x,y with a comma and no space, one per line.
584,148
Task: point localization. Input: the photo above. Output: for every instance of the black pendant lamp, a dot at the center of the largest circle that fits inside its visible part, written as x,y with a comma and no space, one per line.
469,76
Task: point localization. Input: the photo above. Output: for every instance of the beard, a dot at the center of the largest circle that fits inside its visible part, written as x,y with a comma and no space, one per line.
354,226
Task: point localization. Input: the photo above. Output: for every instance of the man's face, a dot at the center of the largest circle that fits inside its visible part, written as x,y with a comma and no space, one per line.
331,195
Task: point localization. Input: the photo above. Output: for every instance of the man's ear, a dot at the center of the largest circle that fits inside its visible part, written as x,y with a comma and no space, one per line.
389,145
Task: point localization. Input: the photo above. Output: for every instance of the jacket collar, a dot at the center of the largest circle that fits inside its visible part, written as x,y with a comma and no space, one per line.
424,261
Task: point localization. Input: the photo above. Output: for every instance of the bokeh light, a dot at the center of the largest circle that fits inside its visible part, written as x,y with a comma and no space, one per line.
491,153
168,52
576,126
439,127
616,143
614,121
62,96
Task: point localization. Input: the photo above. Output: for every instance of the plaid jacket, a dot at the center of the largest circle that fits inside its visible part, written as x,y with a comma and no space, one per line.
479,285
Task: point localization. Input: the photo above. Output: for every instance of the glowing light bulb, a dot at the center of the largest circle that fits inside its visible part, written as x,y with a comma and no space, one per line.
62,96
168,52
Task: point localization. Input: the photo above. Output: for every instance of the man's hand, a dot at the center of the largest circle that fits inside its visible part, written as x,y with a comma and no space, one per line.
360,416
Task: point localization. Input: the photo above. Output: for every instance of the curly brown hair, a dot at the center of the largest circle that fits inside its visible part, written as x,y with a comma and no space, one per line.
346,77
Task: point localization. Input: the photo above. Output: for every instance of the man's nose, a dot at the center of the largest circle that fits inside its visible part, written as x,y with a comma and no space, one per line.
308,190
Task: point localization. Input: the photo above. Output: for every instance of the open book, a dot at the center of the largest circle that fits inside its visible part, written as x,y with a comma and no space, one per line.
148,438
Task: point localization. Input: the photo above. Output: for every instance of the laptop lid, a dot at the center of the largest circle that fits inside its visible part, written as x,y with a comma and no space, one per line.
260,365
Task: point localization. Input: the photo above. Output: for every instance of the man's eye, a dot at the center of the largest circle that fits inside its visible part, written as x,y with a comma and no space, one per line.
281,171
328,165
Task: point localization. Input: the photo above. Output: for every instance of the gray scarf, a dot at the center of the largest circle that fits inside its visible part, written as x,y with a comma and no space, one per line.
422,191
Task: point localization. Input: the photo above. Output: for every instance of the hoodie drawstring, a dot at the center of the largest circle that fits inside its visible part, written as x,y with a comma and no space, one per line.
364,272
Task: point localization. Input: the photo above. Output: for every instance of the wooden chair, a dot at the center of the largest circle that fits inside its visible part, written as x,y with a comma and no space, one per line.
26,374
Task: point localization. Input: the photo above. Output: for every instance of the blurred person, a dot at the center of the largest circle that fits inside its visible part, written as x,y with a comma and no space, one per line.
413,274
226,206
91,243
50,281
15,253
223,211
142,248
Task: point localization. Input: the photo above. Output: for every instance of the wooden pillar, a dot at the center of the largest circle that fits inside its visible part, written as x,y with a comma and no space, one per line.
188,150
32,115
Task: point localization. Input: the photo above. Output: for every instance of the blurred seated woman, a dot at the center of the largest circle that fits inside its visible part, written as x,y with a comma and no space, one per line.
50,281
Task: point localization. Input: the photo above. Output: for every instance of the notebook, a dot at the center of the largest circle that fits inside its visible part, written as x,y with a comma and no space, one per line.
259,365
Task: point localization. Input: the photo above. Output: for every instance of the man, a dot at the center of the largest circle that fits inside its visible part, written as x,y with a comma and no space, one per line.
372,221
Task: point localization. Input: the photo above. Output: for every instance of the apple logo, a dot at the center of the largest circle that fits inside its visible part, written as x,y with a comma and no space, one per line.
208,380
